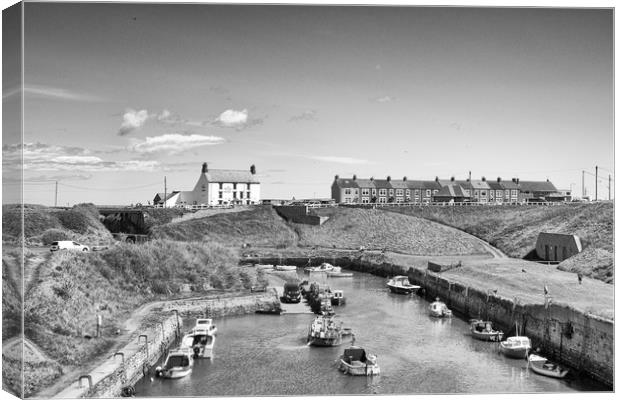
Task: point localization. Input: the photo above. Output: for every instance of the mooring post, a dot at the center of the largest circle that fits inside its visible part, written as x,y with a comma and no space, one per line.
122,357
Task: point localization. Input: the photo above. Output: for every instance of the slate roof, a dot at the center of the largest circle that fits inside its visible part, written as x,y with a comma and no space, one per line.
509,185
494,185
383,184
475,184
346,183
537,186
366,183
453,190
399,184
230,176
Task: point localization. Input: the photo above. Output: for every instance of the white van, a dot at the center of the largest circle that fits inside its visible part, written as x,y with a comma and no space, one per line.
68,245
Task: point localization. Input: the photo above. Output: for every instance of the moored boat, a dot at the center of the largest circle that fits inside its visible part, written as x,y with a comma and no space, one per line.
338,298
543,366
326,331
201,341
285,268
483,330
206,323
356,361
321,268
179,363
337,273
400,284
264,266
439,309
515,346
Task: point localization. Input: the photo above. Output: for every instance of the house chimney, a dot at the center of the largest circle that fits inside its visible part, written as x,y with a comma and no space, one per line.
451,179
354,177
517,181
404,179
372,178
514,180
499,179
436,179
484,179
204,168
252,169
389,178
336,177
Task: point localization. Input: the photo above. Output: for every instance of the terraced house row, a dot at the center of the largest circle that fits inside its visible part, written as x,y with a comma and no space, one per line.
364,191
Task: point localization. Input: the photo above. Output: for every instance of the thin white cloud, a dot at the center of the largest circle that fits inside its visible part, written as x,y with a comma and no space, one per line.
232,118
384,99
132,120
173,143
51,92
309,115
340,160
43,157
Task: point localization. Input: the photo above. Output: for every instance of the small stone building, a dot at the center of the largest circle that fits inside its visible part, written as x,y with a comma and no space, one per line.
557,246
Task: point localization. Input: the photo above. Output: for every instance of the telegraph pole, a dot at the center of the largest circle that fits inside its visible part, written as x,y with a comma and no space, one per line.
596,183
165,192
56,195
583,184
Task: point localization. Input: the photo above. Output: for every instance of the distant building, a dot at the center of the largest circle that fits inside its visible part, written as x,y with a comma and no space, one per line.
216,187
364,191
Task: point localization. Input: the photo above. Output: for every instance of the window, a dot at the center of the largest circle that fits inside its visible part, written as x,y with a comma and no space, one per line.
475,193
234,195
234,186
220,195
374,192
204,188
408,192
435,191
514,193
355,191
399,192
365,192
347,200
240,195
417,192
498,193
382,192
382,200
221,186
507,193
391,192
483,193
428,193
365,200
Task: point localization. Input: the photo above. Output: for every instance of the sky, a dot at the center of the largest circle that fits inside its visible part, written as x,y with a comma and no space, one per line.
118,96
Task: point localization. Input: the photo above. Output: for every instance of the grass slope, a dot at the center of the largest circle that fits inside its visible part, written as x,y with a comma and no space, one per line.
514,229
260,227
43,225
350,228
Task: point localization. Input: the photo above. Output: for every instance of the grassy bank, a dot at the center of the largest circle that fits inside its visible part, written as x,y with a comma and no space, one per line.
514,229
350,228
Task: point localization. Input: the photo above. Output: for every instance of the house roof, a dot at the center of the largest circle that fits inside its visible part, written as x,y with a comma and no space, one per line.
476,184
399,184
495,185
509,185
382,184
537,186
230,176
366,183
167,195
346,183
452,190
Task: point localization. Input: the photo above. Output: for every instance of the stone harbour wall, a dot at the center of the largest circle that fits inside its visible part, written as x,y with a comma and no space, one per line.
148,346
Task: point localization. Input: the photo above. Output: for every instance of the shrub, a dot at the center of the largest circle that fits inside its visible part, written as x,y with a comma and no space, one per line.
53,235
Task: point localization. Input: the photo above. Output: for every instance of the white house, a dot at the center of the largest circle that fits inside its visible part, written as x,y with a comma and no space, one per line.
216,187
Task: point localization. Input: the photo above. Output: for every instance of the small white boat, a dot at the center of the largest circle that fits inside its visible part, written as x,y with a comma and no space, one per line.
483,330
356,361
338,298
400,284
515,346
201,341
179,363
264,266
439,309
337,273
206,323
325,267
285,268
542,366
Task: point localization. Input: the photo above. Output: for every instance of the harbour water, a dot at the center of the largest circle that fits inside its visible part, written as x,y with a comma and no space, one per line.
266,355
